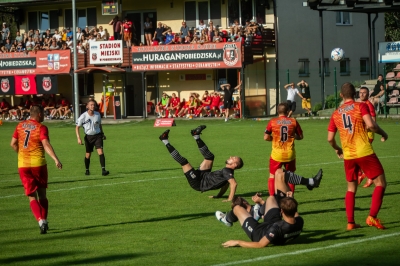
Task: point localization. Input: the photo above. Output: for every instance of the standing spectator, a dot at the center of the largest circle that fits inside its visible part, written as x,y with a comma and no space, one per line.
305,92
19,37
128,27
228,93
211,29
292,91
70,34
282,131
117,27
94,136
46,34
5,33
200,27
57,35
79,33
158,33
184,32
148,30
32,166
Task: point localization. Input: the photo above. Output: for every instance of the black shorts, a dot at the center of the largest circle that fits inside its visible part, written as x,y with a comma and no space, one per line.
254,230
92,141
228,104
194,177
292,105
148,31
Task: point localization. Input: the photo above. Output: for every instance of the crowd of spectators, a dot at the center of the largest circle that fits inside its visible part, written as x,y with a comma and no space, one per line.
208,105
55,108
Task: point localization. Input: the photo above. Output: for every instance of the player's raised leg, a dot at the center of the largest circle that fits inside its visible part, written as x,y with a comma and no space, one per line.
174,153
208,156
284,177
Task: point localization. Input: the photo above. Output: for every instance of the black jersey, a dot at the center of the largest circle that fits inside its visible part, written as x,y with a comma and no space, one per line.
279,232
216,179
305,91
228,93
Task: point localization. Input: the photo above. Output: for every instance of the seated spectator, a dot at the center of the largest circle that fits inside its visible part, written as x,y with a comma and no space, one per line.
29,47
98,37
3,49
101,31
106,35
236,28
30,33
7,45
169,37
56,35
204,37
64,110
188,40
69,42
158,33
79,33
174,105
161,107
211,29
80,48
53,45
64,46
19,37
195,39
205,103
20,47
13,48
184,31
252,27
46,34
91,39
36,34
217,37
50,105
24,107
64,35
4,109
15,112
70,34
200,28
215,100
29,42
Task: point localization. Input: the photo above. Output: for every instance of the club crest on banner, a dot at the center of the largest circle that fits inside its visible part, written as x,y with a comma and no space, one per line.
46,83
25,84
5,85
231,54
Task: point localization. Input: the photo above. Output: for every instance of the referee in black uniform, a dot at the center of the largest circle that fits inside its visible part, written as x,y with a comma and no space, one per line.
91,123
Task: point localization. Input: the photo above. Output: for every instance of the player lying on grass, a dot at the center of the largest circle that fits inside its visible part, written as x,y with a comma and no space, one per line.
281,220
203,179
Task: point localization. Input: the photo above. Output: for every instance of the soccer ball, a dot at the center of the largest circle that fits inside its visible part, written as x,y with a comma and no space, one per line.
337,54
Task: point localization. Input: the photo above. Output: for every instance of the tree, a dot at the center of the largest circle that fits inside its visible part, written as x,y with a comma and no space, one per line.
392,26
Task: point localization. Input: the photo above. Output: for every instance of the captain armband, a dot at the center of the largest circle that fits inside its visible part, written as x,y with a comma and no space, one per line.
267,132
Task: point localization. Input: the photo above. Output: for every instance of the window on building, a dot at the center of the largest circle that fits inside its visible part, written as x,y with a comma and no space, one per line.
343,18
364,66
43,20
202,10
326,65
84,17
304,70
345,67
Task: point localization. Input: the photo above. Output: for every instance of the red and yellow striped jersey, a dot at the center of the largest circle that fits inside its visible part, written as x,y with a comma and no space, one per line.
283,130
348,119
30,134
372,112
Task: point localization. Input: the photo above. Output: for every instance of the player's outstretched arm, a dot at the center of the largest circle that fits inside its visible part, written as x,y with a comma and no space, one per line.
238,86
233,186
14,144
50,151
221,192
374,127
245,244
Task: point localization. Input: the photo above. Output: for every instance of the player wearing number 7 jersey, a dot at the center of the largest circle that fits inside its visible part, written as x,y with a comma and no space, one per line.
282,131
30,141
352,119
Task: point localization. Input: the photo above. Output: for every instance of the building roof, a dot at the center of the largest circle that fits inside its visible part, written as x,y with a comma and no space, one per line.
358,6
37,2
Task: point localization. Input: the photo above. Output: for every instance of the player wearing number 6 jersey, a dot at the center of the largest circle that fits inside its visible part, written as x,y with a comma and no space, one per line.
30,141
282,131
352,119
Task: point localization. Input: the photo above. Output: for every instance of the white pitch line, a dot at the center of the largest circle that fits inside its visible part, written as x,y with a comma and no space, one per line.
173,177
307,250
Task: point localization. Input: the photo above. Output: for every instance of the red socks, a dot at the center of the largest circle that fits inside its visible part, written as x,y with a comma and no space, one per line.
350,201
291,187
271,186
35,207
44,203
376,203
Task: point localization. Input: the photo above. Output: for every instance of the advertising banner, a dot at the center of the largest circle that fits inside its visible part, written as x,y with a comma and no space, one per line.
46,84
389,52
25,85
41,62
187,56
7,85
106,52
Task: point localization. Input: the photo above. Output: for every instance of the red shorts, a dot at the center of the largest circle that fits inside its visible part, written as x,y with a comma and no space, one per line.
274,165
33,178
370,165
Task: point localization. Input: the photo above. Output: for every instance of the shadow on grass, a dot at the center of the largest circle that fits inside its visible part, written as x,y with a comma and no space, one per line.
101,259
310,237
33,257
151,170
342,198
192,216
331,210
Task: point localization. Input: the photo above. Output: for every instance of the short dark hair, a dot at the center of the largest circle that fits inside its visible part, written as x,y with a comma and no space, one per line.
348,90
288,206
236,200
283,108
239,163
36,109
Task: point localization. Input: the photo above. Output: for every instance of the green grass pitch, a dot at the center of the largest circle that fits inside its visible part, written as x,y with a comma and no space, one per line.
145,213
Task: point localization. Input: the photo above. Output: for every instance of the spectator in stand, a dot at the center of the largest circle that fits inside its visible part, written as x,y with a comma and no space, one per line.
53,45
169,37
235,29
70,34
56,35
86,32
29,42
200,28
91,39
36,34
19,37
15,112
26,106
188,40
158,33
162,105
174,105
148,30
184,32
69,42
64,35
7,45
46,34
217,37
106,35
204,105
195,39
50,105
57,106
4,109
98,37
204,36
20,47
64,109
117,27
80,48
252,28
30,33
79,33
128,28
101,31
211,29
13,48
214,106
64,46
5,33
84,42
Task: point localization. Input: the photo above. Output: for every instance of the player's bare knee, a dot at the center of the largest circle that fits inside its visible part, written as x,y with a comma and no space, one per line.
279,174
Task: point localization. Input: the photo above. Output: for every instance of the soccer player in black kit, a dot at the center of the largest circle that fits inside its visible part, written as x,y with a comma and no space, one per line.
203,179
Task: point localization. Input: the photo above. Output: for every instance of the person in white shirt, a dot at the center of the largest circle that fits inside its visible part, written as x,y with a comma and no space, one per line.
292,91
79,33
57,35
94,135
101,31
200,27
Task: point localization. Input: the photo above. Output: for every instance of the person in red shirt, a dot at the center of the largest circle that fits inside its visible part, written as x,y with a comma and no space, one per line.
352,120
215,100
64,108
30,140
184,108
174,105
282,131
4,108
205,105
128,28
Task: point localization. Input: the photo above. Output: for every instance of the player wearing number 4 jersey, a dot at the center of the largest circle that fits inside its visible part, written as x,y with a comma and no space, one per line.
352,119
30,140
282,131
